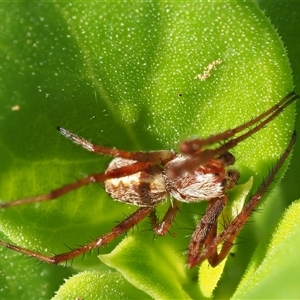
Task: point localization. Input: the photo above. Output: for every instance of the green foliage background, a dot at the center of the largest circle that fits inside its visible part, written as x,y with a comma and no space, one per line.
113,73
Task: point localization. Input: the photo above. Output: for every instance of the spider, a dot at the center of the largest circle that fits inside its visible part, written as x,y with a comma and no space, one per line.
200,172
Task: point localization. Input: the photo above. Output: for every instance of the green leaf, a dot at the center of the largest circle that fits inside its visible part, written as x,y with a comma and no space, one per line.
96,285
25,279
162,276
123,75
263,270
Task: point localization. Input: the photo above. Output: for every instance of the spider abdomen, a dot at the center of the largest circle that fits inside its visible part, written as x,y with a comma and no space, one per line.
206,182
144,188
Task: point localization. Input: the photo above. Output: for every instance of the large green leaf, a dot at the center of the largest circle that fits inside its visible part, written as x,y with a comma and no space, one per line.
123,75
271,257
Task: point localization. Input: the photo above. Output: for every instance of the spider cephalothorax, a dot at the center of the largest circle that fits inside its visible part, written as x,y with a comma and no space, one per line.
200,172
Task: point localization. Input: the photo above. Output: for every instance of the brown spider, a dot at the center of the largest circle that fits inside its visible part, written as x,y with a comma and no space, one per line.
146,178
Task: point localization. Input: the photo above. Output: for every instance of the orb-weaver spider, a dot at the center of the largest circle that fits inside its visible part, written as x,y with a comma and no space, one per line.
145,179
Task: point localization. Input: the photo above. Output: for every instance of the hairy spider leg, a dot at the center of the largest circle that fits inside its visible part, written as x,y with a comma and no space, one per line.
209,239
206,227
162,227
195,145
156,157
228,235
99,177
123,226
193,161
159,228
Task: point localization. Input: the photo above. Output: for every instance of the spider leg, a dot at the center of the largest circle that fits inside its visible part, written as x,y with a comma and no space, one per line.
193,161
204,231
162,156
195,145
161,228
125,225
210,238
228,235
99,177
